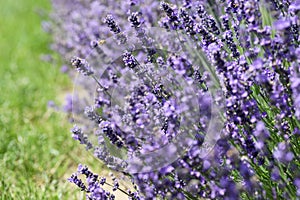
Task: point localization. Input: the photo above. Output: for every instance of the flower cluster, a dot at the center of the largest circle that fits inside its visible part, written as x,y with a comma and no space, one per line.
149,103
95,185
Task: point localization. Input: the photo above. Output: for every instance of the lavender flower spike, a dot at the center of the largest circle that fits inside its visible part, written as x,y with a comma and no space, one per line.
82,66
129,60
111,23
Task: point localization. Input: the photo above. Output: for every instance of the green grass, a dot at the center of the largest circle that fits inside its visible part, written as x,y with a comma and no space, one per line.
37,153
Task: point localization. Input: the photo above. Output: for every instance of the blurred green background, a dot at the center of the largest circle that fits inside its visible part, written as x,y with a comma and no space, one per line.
37,153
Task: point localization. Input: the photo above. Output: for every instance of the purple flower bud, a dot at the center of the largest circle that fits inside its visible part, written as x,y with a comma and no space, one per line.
129,60
111,23
206,164
295,6
82,66
281,24
81,137
135,19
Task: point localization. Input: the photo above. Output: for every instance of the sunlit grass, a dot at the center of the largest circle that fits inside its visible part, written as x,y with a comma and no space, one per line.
37,153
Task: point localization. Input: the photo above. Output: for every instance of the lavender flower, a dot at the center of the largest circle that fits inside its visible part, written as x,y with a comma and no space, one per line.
247,49
129,60
111,23
282,24
74,179
94,187
81,137
295,6
82,66
173,18
135,19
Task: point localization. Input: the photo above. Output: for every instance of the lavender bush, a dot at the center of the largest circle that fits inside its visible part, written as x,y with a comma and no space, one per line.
189,99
